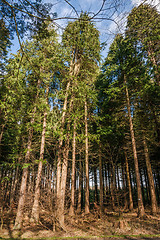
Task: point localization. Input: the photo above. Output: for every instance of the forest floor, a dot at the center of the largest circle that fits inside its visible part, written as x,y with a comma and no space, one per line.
113,225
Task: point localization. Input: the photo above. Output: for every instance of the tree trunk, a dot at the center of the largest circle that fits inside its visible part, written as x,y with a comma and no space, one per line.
80,187
142,187
106,183
21,202
13,190
35,208
128,182
61,204
72,206
74,70
86,162
124,187
2,131
61,142
147,186
63,176
101,182
109,179
95,185
150,177
141,212
112,188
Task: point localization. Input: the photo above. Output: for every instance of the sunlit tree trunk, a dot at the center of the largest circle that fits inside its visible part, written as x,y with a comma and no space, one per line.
150,177
141,211
86,161
128,182
35,208
61,203
80,187
61,142
72,206
63,173
21,202
95,185
2,131
101,182
63,165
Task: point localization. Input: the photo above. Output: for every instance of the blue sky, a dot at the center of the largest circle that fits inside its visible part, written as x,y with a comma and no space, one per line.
107,28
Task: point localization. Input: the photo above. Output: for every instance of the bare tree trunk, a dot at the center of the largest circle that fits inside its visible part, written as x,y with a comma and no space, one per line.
35,208
112,188
86,162
109,179
2,131
106,182
147,185
62,166
20,210
142,186
74,70
13,190
128,182
150,177
124,187
72,206
141,211
80,187
101,182
19,216
61,204
63,178
61,142
95,185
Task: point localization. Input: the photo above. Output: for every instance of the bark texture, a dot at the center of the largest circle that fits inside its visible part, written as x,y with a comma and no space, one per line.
101,183
22,195
150,177
35,208
86,162
72,206
141,211
128,182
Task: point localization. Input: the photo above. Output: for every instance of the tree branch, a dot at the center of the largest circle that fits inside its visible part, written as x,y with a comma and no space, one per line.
72,7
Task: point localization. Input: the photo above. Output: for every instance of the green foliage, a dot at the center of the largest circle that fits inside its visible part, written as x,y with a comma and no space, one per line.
83,38
44,64
143,28
28,75
24,16
4,39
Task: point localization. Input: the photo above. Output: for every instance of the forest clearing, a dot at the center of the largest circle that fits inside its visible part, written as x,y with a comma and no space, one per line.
79,134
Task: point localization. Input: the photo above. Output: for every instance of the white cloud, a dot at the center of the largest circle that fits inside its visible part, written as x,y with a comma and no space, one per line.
152,2
119,23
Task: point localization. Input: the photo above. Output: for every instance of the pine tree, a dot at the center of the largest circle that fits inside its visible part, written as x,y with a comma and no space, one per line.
144,27
38,67
121,65
81,40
